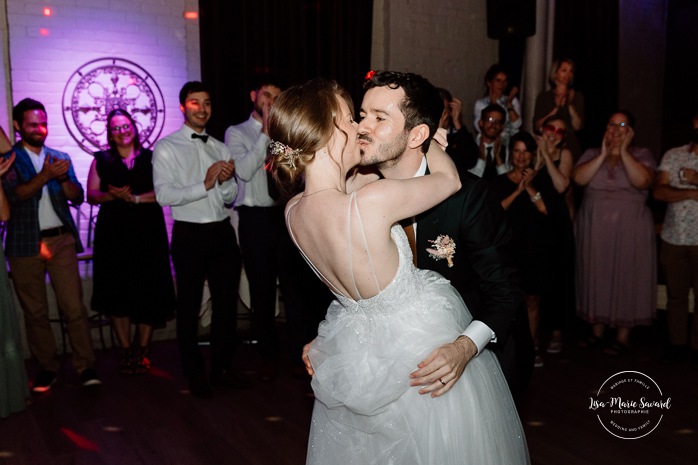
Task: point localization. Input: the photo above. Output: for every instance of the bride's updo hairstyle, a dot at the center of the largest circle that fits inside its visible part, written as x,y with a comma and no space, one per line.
301,122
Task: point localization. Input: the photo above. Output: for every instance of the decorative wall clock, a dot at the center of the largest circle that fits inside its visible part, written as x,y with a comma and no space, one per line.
99,86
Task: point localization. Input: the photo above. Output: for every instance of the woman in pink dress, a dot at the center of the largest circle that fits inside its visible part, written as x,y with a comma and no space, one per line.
616,268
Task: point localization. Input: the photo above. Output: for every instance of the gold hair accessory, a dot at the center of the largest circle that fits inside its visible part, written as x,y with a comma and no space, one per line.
279,148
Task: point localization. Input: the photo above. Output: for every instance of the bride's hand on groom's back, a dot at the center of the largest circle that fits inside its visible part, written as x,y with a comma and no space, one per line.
443,367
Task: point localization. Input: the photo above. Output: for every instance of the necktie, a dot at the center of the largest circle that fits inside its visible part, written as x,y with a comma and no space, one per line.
411,237
203,137
490,169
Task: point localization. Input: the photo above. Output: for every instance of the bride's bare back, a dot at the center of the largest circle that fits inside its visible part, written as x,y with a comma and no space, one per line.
346,238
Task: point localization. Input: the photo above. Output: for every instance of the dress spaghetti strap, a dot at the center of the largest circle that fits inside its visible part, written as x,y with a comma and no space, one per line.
352,200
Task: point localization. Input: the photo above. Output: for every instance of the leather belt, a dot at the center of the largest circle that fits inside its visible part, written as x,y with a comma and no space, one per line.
53,232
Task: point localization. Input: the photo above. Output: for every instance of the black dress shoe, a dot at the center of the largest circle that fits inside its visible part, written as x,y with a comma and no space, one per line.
199,387
229,379
89,377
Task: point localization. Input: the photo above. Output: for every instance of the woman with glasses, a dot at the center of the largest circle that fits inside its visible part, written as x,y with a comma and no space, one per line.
132,275
616,269
555,167
564,101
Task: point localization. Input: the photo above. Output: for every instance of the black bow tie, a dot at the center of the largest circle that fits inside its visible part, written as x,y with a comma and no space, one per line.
203,137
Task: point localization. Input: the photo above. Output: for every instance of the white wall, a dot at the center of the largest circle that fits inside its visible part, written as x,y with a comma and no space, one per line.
446,42
45,51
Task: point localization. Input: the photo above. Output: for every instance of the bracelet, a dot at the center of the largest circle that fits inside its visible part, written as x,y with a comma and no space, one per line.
536,197
137,199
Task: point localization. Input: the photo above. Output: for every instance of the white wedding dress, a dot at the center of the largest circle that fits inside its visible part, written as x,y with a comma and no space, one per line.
365,410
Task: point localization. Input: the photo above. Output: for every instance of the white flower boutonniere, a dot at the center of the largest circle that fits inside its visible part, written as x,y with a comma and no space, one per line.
444,247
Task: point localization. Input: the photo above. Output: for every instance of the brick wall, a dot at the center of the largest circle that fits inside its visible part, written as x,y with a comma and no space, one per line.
46,50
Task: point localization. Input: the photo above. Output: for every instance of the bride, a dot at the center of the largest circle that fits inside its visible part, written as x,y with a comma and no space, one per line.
388,315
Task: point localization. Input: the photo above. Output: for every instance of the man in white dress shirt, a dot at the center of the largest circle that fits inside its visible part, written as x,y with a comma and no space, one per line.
267,249
494,158
193,173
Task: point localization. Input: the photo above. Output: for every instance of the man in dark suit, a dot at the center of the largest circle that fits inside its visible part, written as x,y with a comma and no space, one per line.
482,269
493,159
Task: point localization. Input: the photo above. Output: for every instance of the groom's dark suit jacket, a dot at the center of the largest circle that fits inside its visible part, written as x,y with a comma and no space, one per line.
483,272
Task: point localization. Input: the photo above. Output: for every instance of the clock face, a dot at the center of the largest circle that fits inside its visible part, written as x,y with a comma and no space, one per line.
98,87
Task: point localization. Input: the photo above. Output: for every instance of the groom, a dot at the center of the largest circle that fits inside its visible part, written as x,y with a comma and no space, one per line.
482,271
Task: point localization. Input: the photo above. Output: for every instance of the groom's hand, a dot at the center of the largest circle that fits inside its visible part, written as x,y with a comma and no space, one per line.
306,359
443,367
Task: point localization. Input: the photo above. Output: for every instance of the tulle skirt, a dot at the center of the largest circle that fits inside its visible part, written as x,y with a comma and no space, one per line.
366,412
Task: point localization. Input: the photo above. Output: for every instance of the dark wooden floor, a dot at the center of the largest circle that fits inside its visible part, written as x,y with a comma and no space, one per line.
153,420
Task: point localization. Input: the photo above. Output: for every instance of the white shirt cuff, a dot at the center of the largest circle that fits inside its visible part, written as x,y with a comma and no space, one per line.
479,168
503,168
480,334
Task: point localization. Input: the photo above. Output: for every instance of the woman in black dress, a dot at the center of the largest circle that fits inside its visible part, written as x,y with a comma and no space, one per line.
525,196
132,275
555,167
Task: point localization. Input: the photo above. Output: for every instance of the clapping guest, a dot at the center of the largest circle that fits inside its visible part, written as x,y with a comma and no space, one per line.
132,276
195,175
493,159
496,84
42,238
524,195
616,269
554,168
461,145
564,101
267,250
13,388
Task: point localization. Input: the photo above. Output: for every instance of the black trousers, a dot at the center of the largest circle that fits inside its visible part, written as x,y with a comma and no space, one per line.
268,252
200,252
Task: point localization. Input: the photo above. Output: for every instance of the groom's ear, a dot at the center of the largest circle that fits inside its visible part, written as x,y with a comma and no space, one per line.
417,136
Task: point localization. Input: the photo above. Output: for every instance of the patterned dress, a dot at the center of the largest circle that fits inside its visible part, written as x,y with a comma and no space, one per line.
616,247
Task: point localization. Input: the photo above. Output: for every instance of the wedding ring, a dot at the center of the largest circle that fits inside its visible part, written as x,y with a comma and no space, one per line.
442,381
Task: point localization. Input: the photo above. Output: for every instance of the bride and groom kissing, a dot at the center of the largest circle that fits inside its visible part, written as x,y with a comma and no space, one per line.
398,338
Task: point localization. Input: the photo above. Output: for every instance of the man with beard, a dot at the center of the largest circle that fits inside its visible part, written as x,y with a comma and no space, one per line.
481,269
193,173
42,238
267,249
676,184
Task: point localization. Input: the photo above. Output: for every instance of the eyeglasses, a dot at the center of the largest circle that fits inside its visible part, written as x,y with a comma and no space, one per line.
496,121
620,125
122,128
559,131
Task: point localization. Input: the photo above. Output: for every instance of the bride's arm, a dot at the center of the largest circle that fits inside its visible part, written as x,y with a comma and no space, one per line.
396,199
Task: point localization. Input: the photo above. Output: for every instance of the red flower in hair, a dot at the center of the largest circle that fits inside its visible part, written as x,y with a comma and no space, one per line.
369,75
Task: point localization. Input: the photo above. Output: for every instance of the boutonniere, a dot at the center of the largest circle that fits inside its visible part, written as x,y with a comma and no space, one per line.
444,247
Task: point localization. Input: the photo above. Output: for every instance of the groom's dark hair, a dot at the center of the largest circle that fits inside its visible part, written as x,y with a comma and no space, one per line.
422,103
